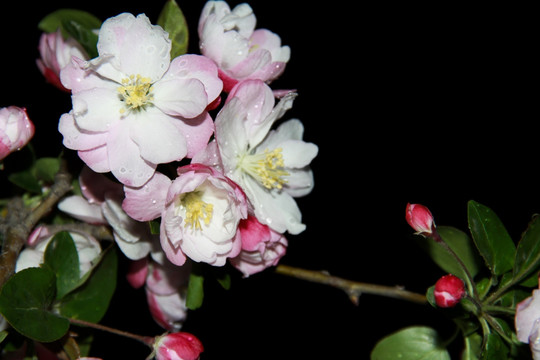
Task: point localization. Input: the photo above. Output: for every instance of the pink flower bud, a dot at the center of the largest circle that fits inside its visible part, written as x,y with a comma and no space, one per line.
420,219
448,291
16,129
178,346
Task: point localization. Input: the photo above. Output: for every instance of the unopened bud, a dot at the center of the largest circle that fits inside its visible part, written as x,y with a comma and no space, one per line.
448,291
420,219
178,346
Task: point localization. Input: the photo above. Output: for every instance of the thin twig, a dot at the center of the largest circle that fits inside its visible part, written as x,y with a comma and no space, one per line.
353,288
147,340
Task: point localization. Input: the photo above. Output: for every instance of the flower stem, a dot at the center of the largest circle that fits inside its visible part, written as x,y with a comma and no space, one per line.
469,279
148,340
353,288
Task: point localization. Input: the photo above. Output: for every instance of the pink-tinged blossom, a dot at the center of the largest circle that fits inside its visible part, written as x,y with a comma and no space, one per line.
165,286
88,249
229,38
16,130
448,291
178,346
101,203
200,211
55,54
271,166
262,247
527,322
420,219
132,107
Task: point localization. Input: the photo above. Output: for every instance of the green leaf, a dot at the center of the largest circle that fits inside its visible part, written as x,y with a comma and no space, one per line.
3,335
172,20
473,347
25,302
528,251
461,244
412,343
495,349
26,180
62,258
56,19
46,168
195,291
90,301
491,238
84,36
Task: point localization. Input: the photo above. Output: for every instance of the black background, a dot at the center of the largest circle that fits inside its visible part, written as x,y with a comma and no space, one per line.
431,104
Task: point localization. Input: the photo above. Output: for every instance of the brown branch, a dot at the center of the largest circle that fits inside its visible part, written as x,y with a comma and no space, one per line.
20,221
353,288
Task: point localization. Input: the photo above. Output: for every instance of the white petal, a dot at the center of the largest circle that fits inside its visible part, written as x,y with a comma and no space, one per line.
81,209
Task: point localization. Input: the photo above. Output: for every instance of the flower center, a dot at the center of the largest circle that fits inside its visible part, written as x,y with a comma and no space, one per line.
135,92
266,168
195,210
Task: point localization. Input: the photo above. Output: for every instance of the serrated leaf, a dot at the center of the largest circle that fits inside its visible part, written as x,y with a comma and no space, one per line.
90,301
25,302
62,258
172,20
412,343
528,251
460,243
491,238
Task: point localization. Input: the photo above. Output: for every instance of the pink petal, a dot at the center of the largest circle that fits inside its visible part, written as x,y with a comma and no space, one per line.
147,202
125,161
137,272
94,186
200,68
97,159
197,132
77,139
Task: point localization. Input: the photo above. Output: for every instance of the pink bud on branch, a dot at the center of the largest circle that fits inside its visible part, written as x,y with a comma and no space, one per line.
449,290
420,219
178,346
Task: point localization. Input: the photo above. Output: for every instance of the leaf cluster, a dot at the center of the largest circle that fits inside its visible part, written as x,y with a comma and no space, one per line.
39,302
498,273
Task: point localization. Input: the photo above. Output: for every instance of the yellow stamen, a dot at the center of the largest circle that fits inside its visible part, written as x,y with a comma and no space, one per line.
195,210
266,168
136,92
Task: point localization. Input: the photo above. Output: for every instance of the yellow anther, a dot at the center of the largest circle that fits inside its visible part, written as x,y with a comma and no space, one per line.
195,210
266,168
136,92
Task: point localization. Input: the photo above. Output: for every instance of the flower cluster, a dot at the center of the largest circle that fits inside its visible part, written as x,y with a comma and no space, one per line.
191,143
